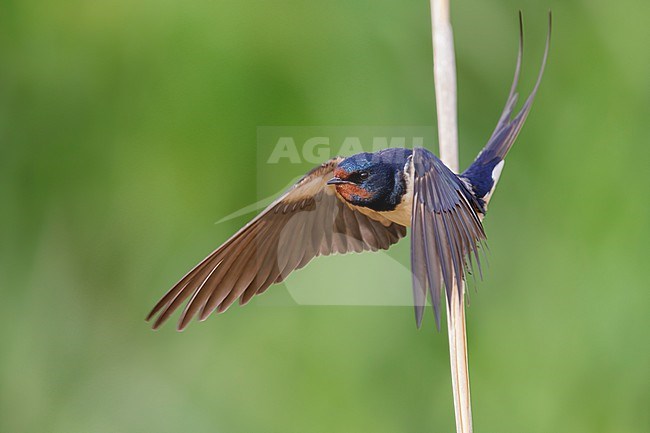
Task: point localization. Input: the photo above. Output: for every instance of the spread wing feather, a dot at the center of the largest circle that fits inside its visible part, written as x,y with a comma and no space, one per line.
446,231
308,221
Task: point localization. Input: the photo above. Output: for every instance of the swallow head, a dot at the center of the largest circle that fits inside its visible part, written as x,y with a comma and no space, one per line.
370,180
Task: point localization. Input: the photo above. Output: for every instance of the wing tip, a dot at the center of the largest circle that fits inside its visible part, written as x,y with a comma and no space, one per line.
158,323
419,314
150,316
183,321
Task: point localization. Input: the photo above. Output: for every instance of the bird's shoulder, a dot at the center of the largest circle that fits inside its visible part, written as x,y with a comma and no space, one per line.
312,184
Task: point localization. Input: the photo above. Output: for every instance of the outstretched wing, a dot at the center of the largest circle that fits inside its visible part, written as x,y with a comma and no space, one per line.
311,219
446,231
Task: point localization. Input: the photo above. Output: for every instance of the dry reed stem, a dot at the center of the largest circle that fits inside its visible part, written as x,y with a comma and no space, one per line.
444,71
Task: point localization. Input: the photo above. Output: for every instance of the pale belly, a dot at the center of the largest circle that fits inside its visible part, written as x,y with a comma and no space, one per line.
402,214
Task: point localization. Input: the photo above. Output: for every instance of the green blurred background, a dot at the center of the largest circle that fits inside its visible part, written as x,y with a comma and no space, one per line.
127,128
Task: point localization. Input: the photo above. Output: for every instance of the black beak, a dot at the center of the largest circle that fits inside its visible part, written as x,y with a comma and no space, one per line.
337,181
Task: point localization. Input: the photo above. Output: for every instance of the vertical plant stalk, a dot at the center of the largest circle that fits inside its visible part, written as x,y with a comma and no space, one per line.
444,72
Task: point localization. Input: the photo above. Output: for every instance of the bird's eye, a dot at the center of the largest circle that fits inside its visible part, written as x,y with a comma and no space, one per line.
363,175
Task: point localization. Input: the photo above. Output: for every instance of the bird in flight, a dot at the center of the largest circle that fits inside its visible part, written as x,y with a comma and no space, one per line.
364,202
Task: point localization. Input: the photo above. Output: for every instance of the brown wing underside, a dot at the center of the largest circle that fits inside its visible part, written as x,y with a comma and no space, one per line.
308,221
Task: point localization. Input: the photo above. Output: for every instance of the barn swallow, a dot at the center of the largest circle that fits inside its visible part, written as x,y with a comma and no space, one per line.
364,202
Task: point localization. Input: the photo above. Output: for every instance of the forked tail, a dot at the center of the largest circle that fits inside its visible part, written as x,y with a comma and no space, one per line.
484,172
